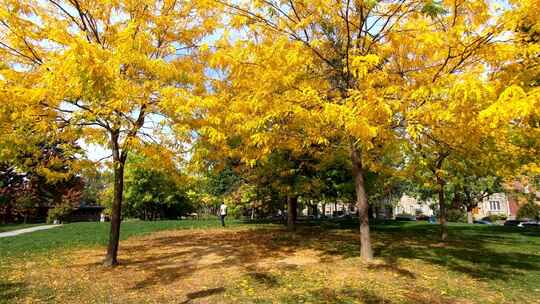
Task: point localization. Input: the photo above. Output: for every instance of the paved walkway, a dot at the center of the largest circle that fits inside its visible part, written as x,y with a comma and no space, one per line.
27,230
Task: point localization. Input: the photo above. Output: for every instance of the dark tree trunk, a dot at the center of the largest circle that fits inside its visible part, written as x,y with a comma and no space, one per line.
119,161
7,215
442,211
366,253
291,221
295,208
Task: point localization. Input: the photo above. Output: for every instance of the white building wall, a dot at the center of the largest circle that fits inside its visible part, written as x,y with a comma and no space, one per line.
410,205
495,204
330,209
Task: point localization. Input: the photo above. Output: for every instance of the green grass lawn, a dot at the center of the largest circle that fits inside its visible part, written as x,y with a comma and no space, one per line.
88,234
11,227
478,264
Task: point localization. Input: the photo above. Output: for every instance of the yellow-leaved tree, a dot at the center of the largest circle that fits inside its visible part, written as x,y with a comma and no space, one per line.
109,71
448,89
514,119
340,73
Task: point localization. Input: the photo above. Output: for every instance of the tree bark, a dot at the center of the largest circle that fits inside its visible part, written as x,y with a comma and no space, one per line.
7,215
366,253
442,211
295,208
291,221
119,161
469,216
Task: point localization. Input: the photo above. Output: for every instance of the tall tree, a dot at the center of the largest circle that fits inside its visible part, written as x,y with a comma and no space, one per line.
106,70
445,132
342,71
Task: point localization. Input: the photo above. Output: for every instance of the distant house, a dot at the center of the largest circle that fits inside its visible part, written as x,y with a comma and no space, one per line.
338,208
329,209
410,205
385,209
85,213
496,204
502,204
507,204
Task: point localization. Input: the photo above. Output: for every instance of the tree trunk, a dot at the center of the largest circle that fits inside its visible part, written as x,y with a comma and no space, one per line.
442,211
366,253
7,214
119,161
290,213
470,219
295,208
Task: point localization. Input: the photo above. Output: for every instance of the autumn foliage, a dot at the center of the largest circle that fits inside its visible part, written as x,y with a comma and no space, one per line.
406,88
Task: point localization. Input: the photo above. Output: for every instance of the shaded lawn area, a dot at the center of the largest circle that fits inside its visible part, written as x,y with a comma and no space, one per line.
262,263
80,235
11,227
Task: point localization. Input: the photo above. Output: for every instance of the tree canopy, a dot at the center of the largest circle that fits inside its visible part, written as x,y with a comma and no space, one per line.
298,98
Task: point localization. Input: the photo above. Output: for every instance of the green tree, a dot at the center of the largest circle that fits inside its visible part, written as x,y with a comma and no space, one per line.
152,194
530,210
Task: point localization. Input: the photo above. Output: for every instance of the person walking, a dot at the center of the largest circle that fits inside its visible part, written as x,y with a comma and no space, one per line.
222,213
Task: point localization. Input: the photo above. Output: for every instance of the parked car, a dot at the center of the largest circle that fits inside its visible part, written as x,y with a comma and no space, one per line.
483,222
344,216
512,223
404,217
529,224
422,218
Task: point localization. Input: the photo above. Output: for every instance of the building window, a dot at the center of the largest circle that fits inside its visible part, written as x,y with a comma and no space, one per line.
494,206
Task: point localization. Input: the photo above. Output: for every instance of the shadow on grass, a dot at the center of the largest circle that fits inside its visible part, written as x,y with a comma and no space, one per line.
487,253
168,258
203,294
357,295
183,256
264,278
10,291
476,250
341,296
392,265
